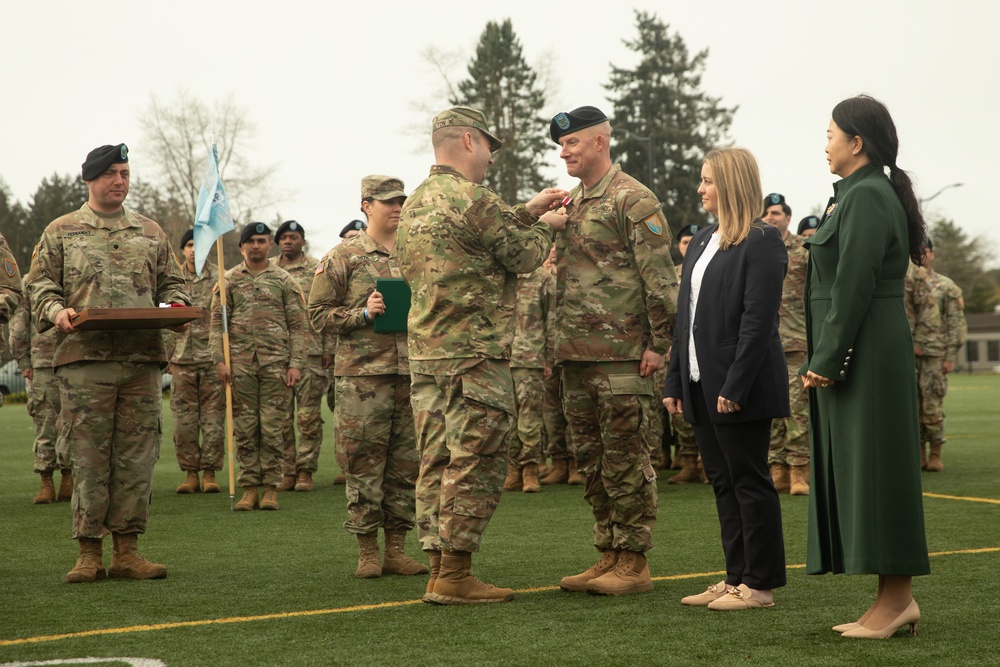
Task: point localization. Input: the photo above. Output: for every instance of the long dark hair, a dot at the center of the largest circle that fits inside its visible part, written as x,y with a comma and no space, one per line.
866,117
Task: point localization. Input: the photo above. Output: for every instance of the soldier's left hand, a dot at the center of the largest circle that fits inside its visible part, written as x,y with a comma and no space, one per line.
327,360
556,221
546,200
375,305
948,367
292,377
650,363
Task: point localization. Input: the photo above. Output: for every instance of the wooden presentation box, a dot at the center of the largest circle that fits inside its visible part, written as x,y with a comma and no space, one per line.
115,319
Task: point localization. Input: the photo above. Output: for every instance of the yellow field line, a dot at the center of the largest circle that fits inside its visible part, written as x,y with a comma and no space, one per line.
362,607
971,499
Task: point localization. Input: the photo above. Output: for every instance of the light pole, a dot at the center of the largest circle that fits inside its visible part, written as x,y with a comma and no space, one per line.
947,187
649,149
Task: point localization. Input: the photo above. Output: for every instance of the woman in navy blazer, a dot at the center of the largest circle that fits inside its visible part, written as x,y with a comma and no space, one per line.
727,374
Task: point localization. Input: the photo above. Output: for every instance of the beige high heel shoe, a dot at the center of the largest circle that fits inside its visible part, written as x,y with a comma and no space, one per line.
844,627
909,616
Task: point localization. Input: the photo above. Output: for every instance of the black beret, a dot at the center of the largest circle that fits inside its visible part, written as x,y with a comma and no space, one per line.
351,226
254,229
808,222
289,226
569,122
188,236
99,159
929,243
686,230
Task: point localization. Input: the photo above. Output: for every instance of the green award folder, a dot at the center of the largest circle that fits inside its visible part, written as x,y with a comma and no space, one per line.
396,294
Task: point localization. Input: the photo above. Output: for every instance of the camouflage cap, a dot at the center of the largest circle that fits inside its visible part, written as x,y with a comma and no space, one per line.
466,117
377,186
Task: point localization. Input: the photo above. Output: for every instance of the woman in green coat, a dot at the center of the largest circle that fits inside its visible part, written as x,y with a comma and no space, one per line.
865,503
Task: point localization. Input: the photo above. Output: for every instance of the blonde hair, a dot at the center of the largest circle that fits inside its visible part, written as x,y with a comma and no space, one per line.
737,184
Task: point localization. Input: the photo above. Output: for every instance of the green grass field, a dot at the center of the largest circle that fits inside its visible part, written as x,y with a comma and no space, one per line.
277,588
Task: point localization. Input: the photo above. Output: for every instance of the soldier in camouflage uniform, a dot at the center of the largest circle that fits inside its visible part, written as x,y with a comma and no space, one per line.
933,369
924,317
106,256
197,398
375,438
614,288
33,352
528,365
267,324
789,452
301,462
10,283
459,248
686,452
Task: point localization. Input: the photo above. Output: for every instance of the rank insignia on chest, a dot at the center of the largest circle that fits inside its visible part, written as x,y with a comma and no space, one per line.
10,266
831,208
654,225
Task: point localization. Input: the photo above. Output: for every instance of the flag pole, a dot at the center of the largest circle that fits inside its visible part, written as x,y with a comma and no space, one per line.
228,385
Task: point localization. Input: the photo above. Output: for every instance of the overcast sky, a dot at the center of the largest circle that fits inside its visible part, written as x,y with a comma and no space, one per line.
335,89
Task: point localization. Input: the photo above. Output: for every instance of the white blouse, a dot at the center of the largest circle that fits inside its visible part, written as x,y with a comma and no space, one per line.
697,276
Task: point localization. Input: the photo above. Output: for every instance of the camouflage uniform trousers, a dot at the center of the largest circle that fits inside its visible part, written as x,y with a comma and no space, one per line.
43,407
686,445
198,403
377,449
608,406
932,382
112,424
307,404
462,424
555,419
658,420
262,404
527,440
790,436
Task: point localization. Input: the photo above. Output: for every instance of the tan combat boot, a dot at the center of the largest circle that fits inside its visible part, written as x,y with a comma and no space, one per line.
434,558
513,480
934,463
557,473
396,561
248,501
529,478
269,501
89,565
577,583
304,481
128,563
779,475
455,583
575,478
341,478
630,575
689,474
192,484
799,485
368,566
65,485
288,483
208,483
47,494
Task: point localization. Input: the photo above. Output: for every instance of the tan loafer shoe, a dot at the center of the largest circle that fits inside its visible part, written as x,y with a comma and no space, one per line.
738,599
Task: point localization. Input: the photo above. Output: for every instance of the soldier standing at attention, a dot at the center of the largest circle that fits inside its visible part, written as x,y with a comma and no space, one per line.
197,399
459,248
267,324
789,452
33,352
375,439
106,256
10,285
924,317
307,397
614,287
938,360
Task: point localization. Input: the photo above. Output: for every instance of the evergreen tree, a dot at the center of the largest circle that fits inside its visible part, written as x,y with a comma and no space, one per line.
964,260
13,223
502,85
659,108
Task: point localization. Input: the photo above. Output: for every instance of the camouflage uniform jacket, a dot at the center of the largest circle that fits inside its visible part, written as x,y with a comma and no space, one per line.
951,305
10,282
792,313
85,261
267,318
191,345
344,280
922,312
615,279
30,348
459,247
302,270
531,319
